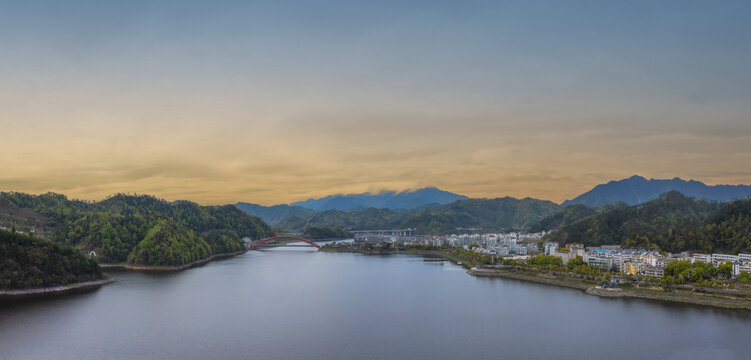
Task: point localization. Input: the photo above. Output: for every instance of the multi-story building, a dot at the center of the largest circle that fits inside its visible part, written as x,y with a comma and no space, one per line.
598,261
663,262
705,258
504,251
564,257
512,244
578,251
650,259
741,268
625,268
653,271
631,268
550,247
718,259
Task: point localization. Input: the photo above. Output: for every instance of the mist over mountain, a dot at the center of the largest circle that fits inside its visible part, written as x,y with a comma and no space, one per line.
637,190
405,200
273,214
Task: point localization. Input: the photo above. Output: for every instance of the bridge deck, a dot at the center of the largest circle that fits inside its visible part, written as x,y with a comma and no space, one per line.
284,238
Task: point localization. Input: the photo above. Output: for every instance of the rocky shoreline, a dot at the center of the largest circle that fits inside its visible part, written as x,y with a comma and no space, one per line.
18,294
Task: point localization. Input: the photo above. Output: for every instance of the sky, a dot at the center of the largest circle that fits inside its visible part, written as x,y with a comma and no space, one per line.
278,101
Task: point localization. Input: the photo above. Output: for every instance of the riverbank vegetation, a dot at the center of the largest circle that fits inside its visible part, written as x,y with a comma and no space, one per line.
27,262
137,229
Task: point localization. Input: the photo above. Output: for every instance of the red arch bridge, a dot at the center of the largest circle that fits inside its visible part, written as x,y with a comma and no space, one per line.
255,245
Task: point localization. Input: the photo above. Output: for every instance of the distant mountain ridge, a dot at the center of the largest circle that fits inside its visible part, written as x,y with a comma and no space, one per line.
273,214
500,214
637,190
404,200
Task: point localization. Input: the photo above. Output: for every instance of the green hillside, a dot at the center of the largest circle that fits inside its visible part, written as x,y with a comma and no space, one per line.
564,216
138,229
673,222
27,262
726,231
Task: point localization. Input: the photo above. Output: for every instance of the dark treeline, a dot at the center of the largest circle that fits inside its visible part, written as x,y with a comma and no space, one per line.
323,232
672,223
138,229
488,214
569,215
27,262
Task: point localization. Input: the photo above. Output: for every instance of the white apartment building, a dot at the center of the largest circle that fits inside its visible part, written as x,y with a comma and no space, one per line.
718,259
650,259
705,258
550,247
739,267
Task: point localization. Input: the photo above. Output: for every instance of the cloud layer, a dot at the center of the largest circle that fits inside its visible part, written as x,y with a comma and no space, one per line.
272,103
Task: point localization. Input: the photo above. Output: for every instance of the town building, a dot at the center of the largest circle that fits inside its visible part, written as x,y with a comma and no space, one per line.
705,258
550,247
653,271
718,259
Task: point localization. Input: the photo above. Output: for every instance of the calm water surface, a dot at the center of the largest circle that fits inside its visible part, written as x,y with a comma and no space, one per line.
296,304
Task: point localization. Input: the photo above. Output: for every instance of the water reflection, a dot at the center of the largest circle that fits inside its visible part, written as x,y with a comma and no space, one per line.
297,303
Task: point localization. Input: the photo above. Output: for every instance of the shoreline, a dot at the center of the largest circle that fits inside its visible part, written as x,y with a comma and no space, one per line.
535,277
707,299
51,291
23,294
426,253
590,288
169,268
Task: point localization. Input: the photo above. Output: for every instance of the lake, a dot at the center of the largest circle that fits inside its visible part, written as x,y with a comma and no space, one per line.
295,303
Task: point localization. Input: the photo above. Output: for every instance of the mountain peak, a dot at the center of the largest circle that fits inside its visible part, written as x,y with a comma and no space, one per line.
637,190
397,200
637,177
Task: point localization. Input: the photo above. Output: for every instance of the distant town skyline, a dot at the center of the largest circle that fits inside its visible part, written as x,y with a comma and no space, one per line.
275,102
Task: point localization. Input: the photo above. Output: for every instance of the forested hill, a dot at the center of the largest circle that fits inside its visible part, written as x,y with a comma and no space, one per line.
489,214
571,214
673,222
139,229
26,262
727,231
564,216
